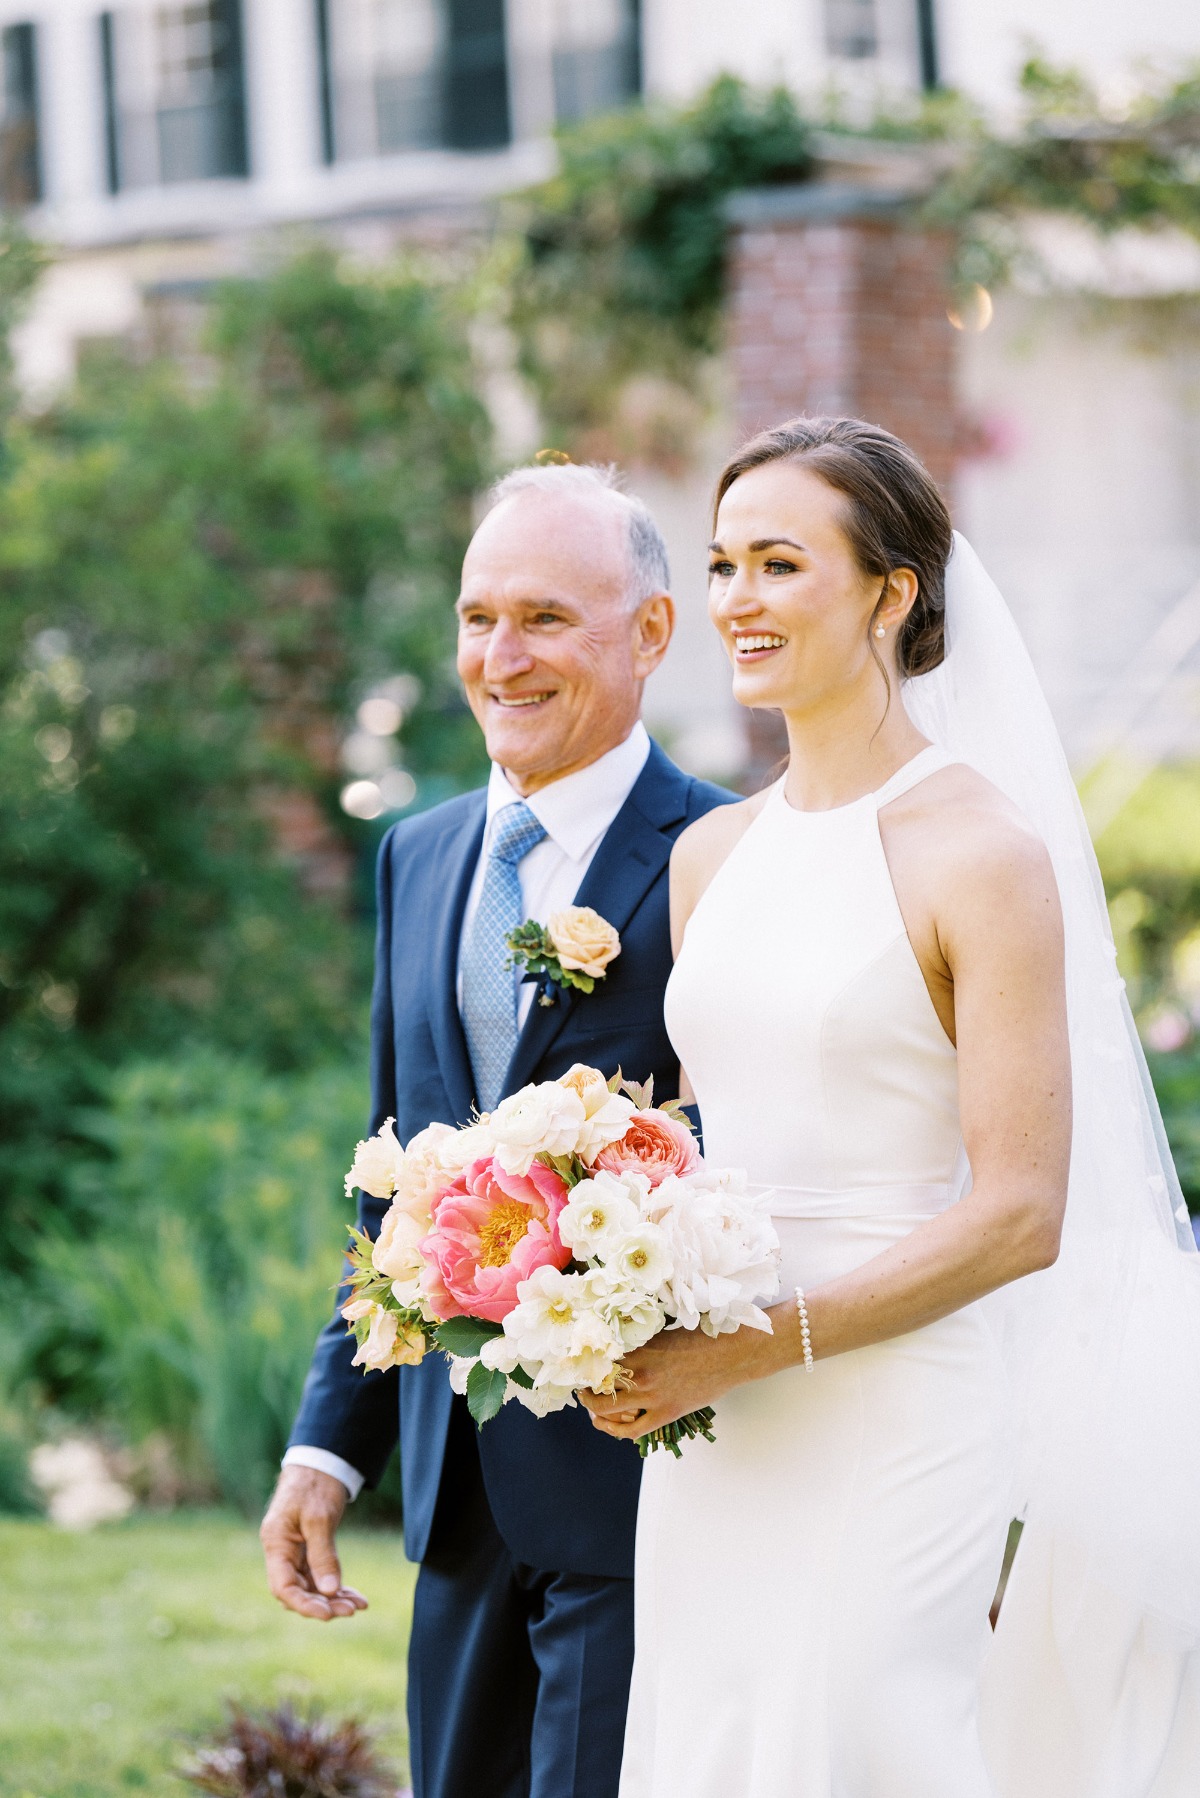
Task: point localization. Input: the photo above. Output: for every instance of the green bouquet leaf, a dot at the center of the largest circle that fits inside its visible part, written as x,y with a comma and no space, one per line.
465,1335
486,1387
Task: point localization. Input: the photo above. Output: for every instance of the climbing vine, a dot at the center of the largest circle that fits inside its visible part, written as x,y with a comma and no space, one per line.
616,265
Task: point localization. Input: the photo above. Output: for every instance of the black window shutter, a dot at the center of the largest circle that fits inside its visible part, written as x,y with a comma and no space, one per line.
20,135
475,97
108,77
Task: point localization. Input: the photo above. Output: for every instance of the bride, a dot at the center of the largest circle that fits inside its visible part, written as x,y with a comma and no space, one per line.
888,968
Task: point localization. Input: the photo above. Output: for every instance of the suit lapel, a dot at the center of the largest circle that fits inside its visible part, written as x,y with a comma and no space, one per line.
632,854
449,884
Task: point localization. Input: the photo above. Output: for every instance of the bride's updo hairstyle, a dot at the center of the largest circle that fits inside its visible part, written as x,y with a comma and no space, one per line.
895,516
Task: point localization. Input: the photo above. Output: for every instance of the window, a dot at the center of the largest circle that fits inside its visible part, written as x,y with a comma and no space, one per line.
20,151
174,94
850,28
597,56
402,75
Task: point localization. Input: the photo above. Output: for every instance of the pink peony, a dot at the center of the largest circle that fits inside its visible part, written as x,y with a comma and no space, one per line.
654,1145
491,1230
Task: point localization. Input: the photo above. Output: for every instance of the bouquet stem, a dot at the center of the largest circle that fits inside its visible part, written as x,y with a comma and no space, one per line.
696,1423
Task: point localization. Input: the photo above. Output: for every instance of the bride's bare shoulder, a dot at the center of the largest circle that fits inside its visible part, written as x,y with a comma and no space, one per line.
704,845
963,833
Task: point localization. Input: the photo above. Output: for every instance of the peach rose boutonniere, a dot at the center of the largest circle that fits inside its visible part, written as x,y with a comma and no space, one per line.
572,948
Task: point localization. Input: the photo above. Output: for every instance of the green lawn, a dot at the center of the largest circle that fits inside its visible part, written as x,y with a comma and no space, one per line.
118,1648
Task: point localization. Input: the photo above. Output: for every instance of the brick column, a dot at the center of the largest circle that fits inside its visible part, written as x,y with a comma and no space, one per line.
837,304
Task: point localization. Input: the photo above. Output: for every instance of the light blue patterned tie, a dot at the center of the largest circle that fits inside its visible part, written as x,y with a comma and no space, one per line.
489,989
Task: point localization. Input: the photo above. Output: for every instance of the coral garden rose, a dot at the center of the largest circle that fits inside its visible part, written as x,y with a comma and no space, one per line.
491,1230
583,941
654,1144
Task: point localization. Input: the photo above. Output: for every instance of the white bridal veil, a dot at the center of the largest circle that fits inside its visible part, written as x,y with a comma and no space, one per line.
1105,1346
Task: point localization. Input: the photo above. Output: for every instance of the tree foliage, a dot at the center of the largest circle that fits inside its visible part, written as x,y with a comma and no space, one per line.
1138,168
618,262
205,560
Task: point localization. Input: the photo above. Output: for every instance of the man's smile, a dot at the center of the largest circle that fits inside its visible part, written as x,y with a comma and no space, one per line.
518,701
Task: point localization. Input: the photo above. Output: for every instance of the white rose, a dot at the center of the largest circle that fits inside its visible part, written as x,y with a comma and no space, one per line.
460,1372
474,1142
643,1258
395,1254
593,1350
634,1315
548,1304
545,1119
606,1115
724,1252
541,1400
583,941
425,1168
499,1352
605,1126
376,1164
390,1342
599,1212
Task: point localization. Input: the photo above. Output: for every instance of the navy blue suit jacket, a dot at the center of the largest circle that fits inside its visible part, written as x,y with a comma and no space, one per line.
563,1496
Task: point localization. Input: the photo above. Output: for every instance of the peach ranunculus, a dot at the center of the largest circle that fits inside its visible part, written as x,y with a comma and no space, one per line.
655,1144
583,941
491,1230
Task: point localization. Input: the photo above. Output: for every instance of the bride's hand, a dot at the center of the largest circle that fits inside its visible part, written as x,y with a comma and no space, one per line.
680,1371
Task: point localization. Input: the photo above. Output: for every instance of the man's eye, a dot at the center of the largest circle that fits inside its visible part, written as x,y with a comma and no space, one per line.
475,620
548,618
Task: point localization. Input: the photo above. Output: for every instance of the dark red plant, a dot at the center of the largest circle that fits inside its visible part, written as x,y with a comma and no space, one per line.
279,1754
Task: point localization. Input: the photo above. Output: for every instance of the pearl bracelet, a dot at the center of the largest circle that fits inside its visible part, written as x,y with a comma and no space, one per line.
805,1336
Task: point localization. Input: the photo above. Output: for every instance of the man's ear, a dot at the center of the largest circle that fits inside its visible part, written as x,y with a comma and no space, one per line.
654,625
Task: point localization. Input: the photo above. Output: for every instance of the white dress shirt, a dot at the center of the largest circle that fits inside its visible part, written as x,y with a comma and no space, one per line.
576,812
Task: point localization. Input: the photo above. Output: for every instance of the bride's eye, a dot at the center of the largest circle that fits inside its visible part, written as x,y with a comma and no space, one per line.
777,566
724,569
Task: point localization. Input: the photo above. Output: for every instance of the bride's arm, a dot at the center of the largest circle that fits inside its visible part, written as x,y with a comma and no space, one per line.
1000,932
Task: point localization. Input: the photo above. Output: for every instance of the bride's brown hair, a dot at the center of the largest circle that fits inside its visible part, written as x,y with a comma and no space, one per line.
895,518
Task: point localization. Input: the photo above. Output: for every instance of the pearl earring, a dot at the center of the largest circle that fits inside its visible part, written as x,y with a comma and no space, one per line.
881,630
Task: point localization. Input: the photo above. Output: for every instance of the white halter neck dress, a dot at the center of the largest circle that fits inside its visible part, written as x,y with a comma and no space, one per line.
812,1590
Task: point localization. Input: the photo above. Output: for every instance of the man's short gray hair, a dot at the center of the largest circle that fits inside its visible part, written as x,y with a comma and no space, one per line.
649,570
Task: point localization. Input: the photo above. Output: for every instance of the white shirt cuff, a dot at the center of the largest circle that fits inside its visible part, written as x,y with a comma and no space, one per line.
324,1462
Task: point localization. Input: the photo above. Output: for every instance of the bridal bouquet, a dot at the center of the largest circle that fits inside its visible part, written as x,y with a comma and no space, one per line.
541,1243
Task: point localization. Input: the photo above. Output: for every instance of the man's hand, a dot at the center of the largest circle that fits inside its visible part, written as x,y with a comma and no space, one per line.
297,1535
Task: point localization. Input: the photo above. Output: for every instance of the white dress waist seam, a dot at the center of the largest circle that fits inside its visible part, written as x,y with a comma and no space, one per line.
901,1200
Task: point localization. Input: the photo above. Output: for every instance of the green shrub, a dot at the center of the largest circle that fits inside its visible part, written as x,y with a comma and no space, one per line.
183,1303
205,560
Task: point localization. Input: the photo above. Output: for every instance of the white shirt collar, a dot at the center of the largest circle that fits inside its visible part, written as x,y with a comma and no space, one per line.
578,809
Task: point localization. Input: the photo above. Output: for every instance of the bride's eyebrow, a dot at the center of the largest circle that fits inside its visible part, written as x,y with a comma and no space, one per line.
761,543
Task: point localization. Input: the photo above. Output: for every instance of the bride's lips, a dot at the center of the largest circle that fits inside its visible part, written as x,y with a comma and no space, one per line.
756,646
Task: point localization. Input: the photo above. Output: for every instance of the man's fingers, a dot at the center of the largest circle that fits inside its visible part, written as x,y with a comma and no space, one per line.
323,1563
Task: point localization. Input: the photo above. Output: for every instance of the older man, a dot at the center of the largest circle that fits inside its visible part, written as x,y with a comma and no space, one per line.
522,1637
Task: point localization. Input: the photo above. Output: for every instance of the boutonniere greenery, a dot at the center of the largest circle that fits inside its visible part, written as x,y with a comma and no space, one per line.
572,948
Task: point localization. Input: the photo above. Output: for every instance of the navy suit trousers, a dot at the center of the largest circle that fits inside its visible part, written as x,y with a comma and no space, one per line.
518,1677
